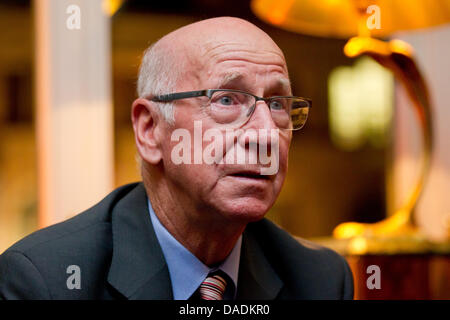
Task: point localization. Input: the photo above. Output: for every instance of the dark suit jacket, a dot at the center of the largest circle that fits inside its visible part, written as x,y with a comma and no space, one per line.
119,257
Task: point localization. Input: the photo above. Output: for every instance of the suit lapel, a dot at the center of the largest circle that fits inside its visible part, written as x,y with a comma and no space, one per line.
138,268
257,279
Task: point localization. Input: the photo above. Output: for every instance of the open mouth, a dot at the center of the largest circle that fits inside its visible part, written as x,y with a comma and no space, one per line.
251,175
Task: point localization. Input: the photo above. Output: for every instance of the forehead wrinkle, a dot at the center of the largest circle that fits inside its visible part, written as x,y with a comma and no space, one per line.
210,48
231,78
217,54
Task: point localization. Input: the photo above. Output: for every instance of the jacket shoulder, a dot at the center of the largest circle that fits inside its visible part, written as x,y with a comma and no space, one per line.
41,262
289,245
86,222
311,270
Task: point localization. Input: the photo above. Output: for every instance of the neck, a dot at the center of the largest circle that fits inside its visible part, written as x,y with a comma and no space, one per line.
206,234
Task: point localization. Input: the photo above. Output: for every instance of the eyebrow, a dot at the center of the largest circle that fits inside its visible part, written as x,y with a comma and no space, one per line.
284,83
232,78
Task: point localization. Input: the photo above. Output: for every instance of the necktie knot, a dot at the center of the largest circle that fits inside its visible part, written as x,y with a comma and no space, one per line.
213,288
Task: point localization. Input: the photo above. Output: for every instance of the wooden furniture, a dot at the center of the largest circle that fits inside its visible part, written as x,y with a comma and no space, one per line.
408,269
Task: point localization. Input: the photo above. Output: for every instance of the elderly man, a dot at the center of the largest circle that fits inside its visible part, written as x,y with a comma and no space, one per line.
213,124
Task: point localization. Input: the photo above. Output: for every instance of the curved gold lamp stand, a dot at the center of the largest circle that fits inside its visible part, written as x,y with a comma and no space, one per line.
397,56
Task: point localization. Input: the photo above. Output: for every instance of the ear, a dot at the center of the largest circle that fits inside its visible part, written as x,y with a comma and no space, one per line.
147,130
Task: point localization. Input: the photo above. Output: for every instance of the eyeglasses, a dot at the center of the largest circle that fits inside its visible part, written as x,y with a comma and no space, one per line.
233,108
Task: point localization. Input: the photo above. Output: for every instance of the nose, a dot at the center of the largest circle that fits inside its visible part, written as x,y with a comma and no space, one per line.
259,128
261,118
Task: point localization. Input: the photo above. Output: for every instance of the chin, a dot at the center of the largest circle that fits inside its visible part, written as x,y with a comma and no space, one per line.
246,209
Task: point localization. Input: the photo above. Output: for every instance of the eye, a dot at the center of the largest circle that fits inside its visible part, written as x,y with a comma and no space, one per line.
276,105
226,100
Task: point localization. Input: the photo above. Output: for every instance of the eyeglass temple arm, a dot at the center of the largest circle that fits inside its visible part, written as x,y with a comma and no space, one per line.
179,95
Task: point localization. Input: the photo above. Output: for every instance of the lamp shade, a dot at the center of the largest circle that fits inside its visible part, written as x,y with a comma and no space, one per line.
347,18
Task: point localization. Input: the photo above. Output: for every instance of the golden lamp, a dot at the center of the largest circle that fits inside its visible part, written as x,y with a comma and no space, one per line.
363,21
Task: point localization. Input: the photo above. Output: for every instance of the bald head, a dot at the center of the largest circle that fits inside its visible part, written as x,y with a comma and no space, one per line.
207,33
199,42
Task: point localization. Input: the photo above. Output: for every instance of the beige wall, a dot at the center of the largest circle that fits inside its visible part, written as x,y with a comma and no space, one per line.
432,49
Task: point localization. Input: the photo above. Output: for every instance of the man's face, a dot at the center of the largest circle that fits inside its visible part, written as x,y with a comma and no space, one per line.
229,190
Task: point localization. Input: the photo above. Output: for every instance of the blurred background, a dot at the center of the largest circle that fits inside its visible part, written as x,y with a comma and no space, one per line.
340,162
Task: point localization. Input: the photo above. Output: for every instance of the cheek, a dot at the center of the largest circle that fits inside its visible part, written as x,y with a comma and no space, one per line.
283,164
284,153
193,179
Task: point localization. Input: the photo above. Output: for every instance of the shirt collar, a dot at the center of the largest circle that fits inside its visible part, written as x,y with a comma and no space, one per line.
186,271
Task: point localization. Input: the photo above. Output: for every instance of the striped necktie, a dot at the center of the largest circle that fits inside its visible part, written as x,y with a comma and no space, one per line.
212,288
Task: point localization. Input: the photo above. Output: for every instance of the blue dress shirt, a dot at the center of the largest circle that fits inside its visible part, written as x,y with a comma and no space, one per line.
186,271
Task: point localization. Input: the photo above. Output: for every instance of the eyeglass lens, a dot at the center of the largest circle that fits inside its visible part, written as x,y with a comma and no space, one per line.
232,108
